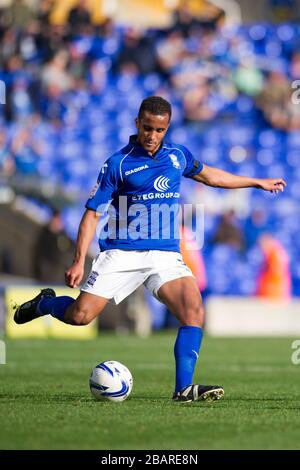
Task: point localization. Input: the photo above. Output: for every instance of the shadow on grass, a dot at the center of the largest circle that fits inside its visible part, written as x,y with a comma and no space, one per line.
35,398
44,398
60,398
289,403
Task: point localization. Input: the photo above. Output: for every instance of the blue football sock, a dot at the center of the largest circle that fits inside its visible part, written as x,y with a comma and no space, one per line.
186,351
55,306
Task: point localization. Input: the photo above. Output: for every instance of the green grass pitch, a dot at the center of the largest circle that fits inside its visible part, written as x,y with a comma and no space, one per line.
45,402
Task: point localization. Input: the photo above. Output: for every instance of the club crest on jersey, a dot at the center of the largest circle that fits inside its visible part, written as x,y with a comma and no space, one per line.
174,160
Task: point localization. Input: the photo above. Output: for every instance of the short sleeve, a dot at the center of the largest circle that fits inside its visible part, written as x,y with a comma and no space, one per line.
193,166
107,184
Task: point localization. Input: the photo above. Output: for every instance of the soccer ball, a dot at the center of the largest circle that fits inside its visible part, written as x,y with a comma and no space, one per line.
111,380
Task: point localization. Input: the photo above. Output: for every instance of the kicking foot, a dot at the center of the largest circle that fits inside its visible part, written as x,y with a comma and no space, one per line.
28,311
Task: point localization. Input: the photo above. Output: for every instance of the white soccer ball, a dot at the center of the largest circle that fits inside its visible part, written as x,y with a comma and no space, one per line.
111,380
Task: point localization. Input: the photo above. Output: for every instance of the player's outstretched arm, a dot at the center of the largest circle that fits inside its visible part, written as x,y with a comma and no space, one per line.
86,232
222,179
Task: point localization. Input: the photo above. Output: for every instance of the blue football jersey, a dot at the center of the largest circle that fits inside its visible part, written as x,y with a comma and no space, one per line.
138,195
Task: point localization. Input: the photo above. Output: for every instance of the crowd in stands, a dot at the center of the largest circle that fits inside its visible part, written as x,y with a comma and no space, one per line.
72,93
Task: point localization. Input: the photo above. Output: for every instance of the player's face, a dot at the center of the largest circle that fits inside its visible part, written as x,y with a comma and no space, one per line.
151,130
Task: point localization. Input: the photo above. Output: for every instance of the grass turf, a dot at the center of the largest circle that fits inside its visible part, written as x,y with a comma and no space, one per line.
45,402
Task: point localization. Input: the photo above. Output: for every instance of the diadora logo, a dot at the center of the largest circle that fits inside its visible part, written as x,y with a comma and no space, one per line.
135,170
161,183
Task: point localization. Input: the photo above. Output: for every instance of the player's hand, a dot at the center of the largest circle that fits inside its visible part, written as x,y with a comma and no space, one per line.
274,185
74,275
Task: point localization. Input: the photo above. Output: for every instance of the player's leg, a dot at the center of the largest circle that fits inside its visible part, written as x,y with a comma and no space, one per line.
116,282
74,312
66,309
183,299
85,309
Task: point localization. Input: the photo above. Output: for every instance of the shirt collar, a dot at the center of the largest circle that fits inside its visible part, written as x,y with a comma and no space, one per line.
135,143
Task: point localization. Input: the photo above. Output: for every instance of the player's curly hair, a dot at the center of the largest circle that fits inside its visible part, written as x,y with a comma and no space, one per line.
155,105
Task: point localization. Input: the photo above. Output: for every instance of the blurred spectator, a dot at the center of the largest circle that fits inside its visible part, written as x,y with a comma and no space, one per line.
54,38
78,64
192,257
293,116
18,85
131,315
138,50
228,231
7,166
31,42
55,73
9,45
274,281
79,17
136,315
27,151
98,76
52,105
18,15
170,51
52,249
20,100
295,65
275,102
44,8
248,78
183,19
255,225
197,104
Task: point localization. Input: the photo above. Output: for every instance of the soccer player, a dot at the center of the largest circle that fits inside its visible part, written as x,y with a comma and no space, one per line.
133,186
